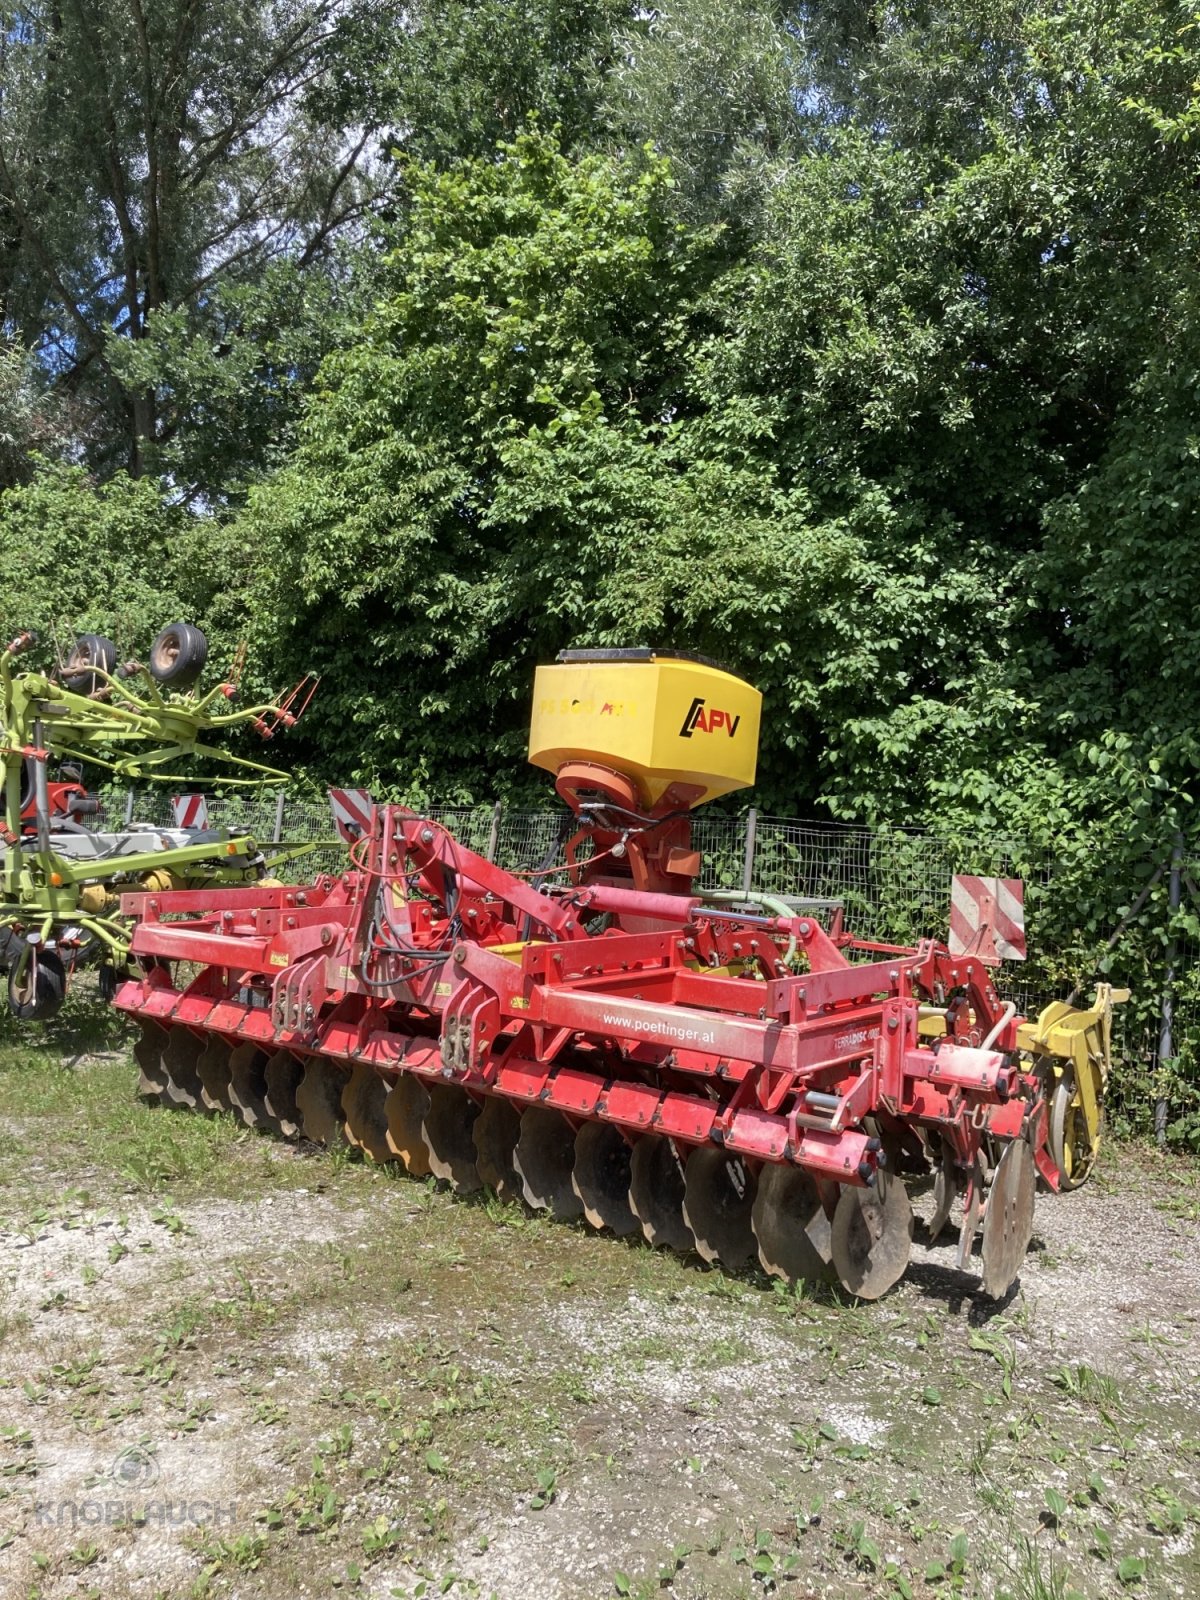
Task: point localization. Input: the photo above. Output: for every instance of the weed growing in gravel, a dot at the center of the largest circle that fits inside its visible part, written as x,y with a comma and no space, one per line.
1081,1382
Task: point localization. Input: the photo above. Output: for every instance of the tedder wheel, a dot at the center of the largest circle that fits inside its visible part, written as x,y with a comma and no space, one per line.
35,994
109,979
178,654
91,654
1071,1142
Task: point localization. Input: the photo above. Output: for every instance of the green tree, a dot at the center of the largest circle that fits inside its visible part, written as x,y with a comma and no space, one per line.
453,78
528,302
152,157
80,557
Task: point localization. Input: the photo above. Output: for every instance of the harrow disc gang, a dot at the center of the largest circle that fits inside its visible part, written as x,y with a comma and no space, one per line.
733,1079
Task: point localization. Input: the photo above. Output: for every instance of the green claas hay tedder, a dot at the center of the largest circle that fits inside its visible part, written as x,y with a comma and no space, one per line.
61,873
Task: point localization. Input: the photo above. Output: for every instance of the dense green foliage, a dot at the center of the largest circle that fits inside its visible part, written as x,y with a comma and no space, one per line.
857,346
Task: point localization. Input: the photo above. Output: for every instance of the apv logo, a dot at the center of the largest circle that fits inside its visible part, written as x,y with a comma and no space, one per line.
707,721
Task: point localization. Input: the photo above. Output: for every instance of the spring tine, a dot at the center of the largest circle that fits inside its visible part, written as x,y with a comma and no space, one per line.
972,1210
282,1075
319,1101
212,1068
497,1129
406,1105
944,1189
448,1133
544,1159
718,1200
363,1104
601,1177
656,1190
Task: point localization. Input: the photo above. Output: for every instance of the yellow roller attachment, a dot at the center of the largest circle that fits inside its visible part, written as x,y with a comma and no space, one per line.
1075,1046
659,720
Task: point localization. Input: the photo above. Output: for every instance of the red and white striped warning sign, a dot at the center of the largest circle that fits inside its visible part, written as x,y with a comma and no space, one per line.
353,810
191,810
987,918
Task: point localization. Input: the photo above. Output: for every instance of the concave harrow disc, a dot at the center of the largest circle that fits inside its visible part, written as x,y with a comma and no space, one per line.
718,1202
248,1084
448,1136
601,1177
182,1086
656,1193
319,1102
407,1106
148,1053
212,1068
497,1129
364,1102
1008,1220
283,1074
871,1237
791,1226
545,1160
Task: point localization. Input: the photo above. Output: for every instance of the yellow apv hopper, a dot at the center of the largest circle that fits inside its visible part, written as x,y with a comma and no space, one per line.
676,726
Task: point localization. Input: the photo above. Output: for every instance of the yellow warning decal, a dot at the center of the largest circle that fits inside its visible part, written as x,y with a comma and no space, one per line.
278,958
519,1003
443,989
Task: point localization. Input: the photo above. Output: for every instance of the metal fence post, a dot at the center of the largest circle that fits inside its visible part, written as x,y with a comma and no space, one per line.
279,803
748,865
129,802
1166,1029
493,843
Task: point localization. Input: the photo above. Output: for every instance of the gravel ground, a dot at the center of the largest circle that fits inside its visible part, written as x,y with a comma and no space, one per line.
232,1367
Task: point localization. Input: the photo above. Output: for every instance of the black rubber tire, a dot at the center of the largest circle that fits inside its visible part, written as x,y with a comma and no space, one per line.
109,979
91,651
11,945
37,1001
178,655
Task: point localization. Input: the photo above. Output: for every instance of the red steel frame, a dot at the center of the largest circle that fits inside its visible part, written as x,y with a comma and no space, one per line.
427,958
